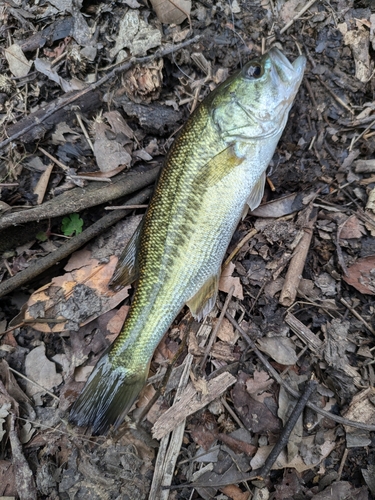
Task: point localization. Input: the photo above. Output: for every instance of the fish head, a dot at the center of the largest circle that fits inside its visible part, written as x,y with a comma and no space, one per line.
254,103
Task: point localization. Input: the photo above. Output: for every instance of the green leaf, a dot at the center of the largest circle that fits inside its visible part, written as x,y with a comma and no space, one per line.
72,224
42,236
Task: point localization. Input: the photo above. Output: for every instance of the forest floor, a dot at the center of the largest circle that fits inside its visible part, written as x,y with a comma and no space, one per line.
91,97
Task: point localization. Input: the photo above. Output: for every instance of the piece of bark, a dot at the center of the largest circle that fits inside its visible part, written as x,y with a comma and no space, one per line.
88,103
55,31
153,118
304,333
78,199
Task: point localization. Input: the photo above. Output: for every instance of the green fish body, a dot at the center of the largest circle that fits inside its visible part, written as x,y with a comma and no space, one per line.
214,168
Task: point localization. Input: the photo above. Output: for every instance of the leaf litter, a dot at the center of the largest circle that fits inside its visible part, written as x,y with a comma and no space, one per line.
301,265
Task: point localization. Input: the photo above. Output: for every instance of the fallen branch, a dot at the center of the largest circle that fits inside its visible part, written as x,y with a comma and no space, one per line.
78,199
69,247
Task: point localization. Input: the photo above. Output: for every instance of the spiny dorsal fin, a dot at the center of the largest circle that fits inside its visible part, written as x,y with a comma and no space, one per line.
257,192
127,270
204,300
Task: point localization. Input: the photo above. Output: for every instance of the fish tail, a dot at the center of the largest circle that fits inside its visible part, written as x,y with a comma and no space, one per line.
108,395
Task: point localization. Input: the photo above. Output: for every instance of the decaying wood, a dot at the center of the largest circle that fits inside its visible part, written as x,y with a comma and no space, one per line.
191,402
69,247
304,333
78,199
34,126
170,445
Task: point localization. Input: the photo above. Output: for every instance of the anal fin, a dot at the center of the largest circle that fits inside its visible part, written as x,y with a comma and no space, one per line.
127,270
204,300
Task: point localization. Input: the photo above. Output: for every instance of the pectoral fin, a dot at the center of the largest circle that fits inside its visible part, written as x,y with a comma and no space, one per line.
220,166
256,194
203,301
127,270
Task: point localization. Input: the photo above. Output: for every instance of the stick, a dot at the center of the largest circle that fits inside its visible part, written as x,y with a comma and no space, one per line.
289,426
69,247
78,199
297,263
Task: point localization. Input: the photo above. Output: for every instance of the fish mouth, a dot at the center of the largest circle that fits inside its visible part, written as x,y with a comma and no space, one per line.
288,72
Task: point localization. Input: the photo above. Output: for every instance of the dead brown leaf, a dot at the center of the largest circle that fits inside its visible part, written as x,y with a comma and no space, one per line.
7,479
258,385
352,228
227,281
256,416
235,493
172,11
361,275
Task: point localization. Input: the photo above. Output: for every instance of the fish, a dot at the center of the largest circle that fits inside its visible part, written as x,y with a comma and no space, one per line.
214,170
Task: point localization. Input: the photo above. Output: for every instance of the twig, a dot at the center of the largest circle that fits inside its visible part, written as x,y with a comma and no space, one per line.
297,16
239,245
84,130
69,247
342,463
121,207
122,67
287,430
296,394
336,97
34,383
217,326
357,315
297,263
55,160
78,199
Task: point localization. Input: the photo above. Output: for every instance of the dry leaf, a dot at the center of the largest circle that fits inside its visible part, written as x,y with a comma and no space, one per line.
298,463
18,64
352,228
41,370
227,281
281,349
61,300
172,11
361,275
258,385
235,493
109,154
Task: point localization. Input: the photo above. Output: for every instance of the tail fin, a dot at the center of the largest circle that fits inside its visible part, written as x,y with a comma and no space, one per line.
107,396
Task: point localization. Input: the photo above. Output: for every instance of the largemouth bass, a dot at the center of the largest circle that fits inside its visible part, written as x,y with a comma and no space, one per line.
214,168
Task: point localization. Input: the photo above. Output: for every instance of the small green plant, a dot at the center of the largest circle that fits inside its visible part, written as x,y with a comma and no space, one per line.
42,236
72,224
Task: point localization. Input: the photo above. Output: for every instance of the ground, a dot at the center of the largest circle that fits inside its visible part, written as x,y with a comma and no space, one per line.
92,95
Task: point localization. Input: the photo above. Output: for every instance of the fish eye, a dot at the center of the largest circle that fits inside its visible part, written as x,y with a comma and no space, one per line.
255,70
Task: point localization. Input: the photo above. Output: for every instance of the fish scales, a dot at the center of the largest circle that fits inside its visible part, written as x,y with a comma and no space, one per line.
216,164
